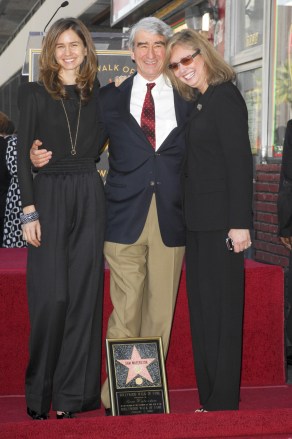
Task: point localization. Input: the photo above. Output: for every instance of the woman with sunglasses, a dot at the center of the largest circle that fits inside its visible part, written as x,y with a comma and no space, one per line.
218,213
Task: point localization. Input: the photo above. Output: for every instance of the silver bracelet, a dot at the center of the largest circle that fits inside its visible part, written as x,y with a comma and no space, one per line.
29,217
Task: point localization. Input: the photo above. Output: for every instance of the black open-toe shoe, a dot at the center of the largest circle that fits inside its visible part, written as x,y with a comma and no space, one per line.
65,415
36,416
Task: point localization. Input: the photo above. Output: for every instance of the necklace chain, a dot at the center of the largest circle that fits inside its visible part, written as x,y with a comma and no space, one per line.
73,145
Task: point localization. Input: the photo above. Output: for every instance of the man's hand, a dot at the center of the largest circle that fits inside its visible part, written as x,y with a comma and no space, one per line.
39,157
287,241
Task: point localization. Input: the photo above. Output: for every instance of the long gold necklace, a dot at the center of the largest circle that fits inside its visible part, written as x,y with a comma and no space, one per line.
73,145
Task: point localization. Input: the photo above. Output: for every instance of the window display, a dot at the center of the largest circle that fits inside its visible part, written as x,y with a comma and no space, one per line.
282,111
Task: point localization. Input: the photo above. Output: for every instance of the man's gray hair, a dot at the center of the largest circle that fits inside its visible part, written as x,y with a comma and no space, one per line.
152,25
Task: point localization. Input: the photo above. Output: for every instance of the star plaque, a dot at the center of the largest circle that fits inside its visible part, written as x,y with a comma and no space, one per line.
136,373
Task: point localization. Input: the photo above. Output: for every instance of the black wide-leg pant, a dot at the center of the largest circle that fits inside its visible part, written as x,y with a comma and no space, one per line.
65,290
215,285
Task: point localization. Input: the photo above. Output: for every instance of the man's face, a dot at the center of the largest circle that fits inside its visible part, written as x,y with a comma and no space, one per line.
149,54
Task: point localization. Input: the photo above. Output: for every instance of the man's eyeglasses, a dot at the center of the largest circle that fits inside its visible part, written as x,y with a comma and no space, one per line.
184,61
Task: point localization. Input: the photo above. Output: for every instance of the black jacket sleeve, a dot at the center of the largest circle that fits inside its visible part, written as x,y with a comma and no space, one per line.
285,187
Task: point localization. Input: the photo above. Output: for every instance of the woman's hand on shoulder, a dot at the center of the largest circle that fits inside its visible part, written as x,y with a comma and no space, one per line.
120,79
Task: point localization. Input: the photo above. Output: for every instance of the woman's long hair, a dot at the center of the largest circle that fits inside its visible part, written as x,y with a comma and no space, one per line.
216,68
49,68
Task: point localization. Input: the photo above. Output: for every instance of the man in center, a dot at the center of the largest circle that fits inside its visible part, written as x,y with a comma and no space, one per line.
145,229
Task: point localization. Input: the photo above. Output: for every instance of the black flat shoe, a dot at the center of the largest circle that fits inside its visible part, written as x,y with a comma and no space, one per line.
36,416
65,415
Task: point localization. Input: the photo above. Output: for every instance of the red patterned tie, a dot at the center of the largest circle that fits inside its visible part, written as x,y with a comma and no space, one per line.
148,115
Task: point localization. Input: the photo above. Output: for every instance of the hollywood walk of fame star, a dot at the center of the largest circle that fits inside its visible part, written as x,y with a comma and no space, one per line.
137,366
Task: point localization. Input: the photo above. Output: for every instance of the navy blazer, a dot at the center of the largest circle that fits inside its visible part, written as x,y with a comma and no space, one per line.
136,171
219,169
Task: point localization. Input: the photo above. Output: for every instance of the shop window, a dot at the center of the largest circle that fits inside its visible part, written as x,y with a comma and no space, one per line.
249,19
250,85
246,50
282,108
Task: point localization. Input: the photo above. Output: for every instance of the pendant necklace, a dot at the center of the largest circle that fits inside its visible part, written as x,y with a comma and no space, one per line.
73,145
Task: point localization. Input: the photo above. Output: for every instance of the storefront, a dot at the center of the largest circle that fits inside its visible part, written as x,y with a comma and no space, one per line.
260,52
255,37
281,92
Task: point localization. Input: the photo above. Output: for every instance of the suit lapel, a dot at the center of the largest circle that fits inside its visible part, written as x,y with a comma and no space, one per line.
125,90
182,111
125,102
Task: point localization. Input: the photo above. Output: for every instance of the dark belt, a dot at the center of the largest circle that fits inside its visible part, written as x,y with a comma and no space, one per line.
69,166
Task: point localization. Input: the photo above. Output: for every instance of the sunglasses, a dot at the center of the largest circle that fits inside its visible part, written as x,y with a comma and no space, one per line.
184,61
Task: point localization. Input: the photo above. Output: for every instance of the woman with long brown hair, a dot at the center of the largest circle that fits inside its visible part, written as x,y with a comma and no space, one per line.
63,223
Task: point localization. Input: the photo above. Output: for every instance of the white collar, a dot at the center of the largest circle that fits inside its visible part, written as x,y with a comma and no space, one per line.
141,82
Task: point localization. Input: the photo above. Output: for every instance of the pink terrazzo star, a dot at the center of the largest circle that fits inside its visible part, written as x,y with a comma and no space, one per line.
137,366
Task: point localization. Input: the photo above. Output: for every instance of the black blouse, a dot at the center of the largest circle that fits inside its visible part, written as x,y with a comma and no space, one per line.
43,118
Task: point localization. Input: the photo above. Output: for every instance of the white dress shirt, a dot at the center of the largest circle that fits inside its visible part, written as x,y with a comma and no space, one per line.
165,118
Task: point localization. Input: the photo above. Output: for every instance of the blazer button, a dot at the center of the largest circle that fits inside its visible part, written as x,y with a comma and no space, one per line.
152,183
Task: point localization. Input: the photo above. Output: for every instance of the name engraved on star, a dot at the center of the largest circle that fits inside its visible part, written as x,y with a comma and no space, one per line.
137,366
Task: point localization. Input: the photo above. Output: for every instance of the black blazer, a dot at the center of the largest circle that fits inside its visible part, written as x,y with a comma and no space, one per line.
218,169
136,171
285,187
